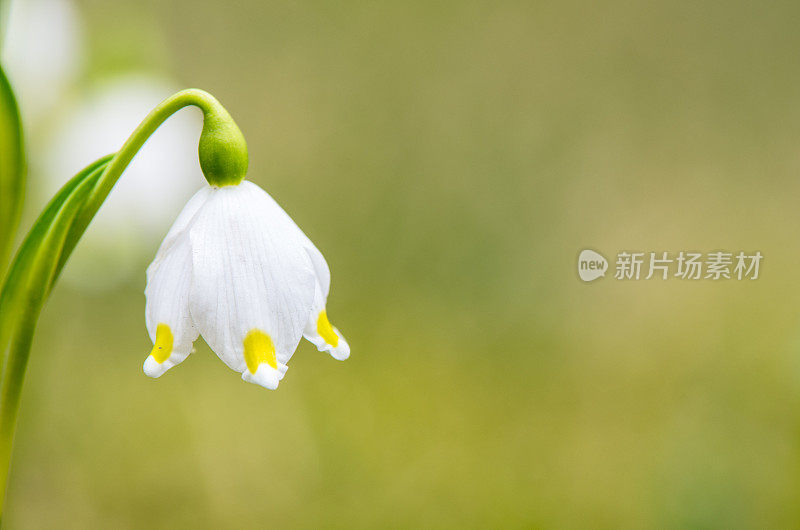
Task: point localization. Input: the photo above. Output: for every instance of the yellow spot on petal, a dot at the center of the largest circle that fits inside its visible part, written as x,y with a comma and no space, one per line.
163,346
258,349
325,330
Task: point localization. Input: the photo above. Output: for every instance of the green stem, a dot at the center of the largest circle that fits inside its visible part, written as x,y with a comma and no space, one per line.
223,158
222,149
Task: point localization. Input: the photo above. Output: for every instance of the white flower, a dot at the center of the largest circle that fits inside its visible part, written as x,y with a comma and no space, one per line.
235,268
43,53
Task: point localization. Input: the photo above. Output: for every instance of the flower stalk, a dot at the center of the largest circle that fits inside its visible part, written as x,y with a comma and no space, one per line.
223,158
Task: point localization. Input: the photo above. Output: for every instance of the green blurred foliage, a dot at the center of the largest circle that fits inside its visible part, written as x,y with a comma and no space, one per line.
451,159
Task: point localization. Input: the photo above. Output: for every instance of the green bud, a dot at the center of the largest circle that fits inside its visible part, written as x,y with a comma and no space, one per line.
222,149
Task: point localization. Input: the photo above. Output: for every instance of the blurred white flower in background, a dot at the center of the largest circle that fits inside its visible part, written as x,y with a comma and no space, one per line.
151,192
43,53
70,123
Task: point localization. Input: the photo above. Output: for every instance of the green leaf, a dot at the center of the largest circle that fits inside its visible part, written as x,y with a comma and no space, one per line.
29,281
26,285
91,205
12,168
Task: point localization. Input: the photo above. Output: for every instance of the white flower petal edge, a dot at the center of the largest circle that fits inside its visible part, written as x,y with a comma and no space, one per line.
236,269
167,315
319,330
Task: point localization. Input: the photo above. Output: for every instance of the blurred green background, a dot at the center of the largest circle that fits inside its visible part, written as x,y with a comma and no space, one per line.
451,159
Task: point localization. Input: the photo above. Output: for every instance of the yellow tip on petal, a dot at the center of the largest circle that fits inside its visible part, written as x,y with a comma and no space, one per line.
258,349
162,349
325,330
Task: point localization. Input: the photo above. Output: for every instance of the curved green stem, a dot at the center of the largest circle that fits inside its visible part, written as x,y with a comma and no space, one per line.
222,151
223,158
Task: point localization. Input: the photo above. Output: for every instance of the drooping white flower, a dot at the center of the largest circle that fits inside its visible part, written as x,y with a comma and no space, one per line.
235,268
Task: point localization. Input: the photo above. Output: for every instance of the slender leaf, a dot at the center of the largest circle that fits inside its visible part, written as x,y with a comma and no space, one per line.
12,168
20,294
91,205
26,287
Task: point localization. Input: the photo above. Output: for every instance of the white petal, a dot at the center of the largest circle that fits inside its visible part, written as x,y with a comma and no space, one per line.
169,322
250,272
167,293
333,341
181,223
287,223
319,330
320,267
266,376
321,333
